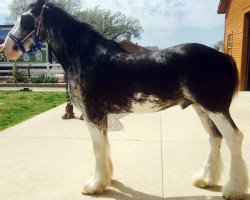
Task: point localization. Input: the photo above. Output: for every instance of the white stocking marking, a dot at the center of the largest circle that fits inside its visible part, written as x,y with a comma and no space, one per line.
103,168
238,181
211,172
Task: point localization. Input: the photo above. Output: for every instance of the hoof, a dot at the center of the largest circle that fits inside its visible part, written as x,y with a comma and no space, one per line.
95,186
233,192
202,180
92,189
200,183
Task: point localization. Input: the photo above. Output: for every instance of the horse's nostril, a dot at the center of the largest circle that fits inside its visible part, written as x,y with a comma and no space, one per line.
15,48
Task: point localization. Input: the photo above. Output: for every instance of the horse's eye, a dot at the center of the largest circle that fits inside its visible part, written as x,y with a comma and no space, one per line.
27,22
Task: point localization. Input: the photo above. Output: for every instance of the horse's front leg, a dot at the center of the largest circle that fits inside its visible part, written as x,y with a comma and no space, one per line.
101,178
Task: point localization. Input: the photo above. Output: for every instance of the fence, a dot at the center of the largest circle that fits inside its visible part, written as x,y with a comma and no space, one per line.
36,69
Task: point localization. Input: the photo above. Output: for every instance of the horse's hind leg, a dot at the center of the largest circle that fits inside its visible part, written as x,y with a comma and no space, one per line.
211,172
237,185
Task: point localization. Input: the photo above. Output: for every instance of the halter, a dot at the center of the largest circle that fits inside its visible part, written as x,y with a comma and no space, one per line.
36,31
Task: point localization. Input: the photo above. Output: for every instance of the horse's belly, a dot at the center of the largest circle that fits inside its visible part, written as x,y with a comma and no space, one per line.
146,103
147,107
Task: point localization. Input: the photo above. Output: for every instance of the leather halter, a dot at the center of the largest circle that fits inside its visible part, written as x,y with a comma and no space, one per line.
36,31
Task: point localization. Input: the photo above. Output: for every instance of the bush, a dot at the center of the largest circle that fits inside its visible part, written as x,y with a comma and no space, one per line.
20,75
2,57
44,79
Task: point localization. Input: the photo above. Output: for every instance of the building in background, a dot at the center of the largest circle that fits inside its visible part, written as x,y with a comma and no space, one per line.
153,48
237,36
132,47
4,30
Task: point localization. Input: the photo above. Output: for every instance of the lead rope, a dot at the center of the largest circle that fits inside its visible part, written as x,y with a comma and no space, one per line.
69,109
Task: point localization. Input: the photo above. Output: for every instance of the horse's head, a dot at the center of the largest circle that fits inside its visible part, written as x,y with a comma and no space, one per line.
22,31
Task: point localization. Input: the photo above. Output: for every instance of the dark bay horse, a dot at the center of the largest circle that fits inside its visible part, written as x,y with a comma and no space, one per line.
103,78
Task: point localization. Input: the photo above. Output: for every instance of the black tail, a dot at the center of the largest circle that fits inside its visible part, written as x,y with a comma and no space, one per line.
235,74
215,83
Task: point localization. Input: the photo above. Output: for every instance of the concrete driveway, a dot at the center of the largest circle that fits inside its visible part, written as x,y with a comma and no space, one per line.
154,156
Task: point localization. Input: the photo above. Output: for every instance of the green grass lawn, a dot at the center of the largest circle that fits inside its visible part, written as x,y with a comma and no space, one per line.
16,106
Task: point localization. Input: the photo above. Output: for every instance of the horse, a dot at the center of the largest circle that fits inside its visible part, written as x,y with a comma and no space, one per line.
105,79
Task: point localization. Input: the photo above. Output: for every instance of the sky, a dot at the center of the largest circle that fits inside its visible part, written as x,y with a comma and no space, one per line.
165,22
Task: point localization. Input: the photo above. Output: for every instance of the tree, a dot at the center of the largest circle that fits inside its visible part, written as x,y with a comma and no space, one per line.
17,7
219,45
113,25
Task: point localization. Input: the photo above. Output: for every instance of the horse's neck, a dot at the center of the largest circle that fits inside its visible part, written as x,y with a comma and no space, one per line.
74,42
61,44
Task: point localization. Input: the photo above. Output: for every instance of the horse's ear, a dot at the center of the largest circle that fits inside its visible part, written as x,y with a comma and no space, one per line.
40,3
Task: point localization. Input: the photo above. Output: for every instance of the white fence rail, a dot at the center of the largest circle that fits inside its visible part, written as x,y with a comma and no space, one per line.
36,69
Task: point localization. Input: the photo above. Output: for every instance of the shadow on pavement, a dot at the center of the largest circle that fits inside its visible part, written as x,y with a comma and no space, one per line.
126,193
202,198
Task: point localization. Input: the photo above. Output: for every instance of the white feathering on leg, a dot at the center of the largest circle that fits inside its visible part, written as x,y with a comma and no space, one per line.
103,168
237,185
211,172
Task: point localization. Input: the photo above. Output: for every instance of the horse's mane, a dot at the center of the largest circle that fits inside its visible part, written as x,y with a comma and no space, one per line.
56,14
66,17
73,29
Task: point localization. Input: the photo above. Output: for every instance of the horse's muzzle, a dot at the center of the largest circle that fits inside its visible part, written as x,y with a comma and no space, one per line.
9,49
2,47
